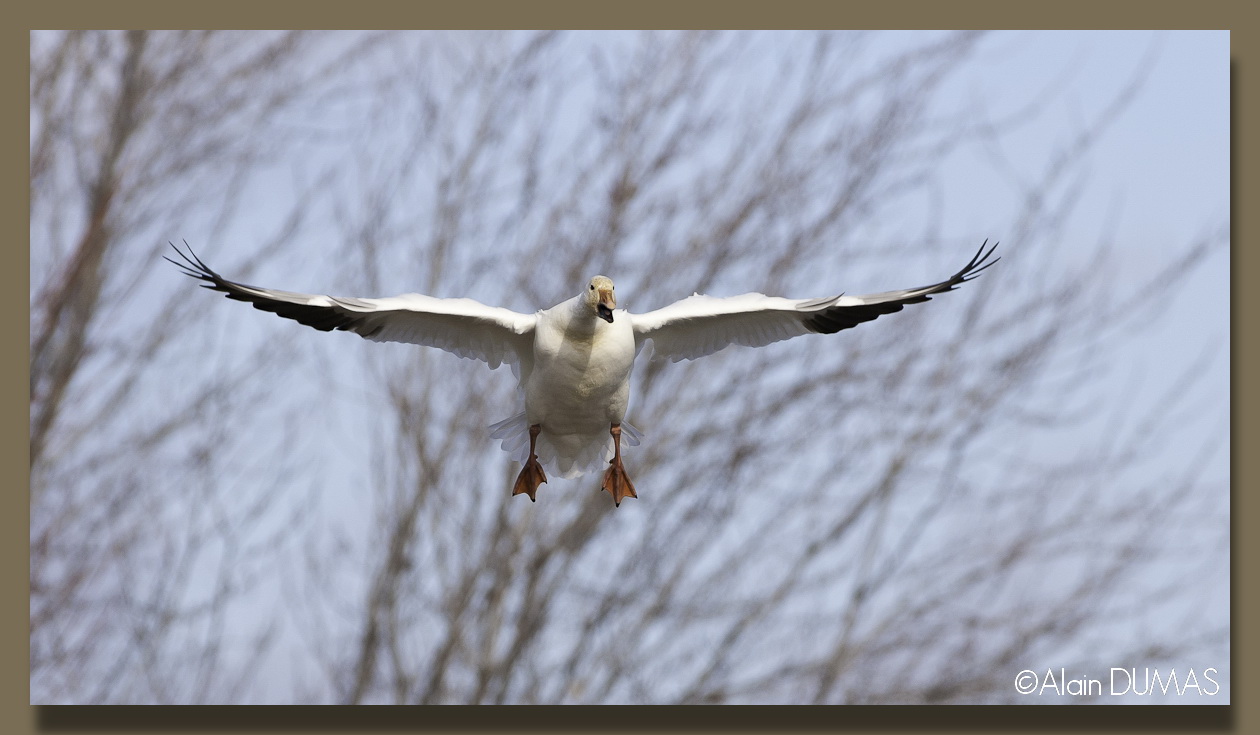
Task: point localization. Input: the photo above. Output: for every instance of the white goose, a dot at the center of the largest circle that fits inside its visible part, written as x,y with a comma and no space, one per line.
573,360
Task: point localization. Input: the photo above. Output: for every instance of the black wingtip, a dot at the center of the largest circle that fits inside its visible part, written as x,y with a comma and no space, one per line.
190,263
193,266
978,263
202,265
973,273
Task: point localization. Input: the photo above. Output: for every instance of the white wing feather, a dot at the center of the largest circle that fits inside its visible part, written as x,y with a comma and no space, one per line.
463,327
701,325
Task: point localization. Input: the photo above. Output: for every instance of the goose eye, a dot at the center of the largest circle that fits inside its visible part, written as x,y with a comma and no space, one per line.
592,287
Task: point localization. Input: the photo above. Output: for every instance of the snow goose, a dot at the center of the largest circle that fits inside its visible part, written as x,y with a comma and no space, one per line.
573,360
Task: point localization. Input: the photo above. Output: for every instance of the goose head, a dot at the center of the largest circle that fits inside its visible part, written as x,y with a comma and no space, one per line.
600,297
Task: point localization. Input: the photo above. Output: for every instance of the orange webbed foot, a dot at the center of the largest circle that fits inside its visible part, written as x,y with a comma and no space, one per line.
617,482
532,474
531,477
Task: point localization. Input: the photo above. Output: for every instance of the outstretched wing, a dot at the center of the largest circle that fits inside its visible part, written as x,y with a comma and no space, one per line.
701,325
461,326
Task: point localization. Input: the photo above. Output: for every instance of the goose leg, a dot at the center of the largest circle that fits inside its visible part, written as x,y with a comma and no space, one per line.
532,474
616,482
